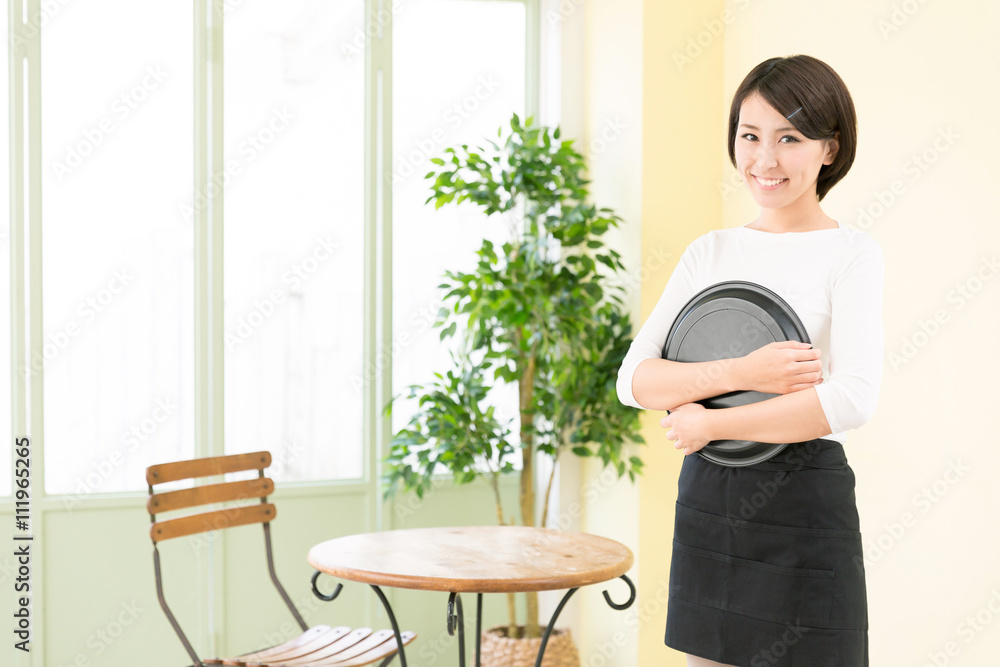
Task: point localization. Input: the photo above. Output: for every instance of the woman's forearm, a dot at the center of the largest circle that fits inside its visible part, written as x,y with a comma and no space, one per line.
794,417
661,384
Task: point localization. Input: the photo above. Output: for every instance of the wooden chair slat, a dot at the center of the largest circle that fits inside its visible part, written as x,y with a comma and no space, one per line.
328,652
325,631
368,657
208,521
207,467
304,654
210,493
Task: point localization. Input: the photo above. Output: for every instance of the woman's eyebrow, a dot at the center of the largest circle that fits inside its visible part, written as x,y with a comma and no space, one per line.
780,129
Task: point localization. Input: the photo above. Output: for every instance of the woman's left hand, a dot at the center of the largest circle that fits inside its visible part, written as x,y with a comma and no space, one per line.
688,426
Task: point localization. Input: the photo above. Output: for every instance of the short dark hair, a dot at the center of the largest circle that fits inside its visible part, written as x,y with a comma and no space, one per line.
814,99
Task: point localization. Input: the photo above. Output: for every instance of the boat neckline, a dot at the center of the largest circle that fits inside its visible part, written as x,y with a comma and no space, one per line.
808,231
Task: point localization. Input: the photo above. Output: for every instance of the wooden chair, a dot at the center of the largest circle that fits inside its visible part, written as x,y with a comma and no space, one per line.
318,646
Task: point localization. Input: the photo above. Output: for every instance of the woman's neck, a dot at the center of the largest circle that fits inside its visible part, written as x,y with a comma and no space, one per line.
801,216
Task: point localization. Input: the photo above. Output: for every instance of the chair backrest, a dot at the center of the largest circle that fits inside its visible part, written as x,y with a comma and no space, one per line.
260,488
202,521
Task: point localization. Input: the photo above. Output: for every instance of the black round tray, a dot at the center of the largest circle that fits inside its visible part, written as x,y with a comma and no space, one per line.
727,320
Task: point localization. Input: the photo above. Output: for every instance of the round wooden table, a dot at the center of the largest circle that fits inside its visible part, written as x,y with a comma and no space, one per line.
477,559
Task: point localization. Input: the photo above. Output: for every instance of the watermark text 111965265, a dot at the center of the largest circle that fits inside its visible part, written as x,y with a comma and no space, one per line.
22,543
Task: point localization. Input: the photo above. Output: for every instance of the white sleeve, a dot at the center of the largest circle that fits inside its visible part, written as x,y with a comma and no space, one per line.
648,343
850,393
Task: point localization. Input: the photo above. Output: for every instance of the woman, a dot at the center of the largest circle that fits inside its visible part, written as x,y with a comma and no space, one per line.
767,566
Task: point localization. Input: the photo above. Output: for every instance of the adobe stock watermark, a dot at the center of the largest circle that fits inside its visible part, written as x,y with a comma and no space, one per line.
914,168
416,158
653,260
408,505
137,434
563,11
610,131
104,637
229,6
778,649
766,490
702,41
923,502
248,150
87,311
361,38
971,627
593,489
898,17
419,321
650,609
265,307
8,570
307,604
958,297
122,108
433,649
33,26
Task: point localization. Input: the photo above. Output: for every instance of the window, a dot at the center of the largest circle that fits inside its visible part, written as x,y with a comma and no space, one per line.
117,276
294,223
475,76
118,149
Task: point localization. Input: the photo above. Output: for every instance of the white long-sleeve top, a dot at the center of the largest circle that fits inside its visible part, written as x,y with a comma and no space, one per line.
832,278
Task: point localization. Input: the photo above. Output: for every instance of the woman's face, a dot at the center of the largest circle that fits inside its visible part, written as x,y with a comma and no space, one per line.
777,162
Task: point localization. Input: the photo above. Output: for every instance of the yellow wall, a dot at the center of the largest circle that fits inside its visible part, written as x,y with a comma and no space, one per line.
923,76
683,130
923,79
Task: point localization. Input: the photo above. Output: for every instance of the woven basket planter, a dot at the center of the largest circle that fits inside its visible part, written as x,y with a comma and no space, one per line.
499,650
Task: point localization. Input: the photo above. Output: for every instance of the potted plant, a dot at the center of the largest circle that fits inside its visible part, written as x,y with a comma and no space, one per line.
545,312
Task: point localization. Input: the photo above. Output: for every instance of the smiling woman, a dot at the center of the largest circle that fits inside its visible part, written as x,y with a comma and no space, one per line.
813,105
784,582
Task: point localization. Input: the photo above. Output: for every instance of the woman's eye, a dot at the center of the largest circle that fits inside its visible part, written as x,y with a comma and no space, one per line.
790,138
750,137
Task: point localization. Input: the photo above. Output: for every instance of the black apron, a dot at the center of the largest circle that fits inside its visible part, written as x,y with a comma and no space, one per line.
767,565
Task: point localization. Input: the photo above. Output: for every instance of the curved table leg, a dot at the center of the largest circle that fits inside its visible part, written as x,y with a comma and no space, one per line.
552,625
395,627
457,619
326,598
388,610
562,603
479,624
631,595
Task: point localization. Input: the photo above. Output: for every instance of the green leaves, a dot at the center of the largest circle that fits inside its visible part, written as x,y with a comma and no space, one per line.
450,432
544,311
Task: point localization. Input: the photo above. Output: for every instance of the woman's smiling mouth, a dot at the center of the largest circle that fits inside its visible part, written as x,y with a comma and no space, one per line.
768,183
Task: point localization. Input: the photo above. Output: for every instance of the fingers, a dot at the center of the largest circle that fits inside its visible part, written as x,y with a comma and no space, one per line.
792,344
799,387
807,371
810,354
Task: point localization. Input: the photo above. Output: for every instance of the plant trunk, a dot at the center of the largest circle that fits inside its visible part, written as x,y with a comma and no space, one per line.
511,607
548,492
526,391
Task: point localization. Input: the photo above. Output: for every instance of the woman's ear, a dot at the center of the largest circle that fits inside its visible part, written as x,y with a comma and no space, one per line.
832,146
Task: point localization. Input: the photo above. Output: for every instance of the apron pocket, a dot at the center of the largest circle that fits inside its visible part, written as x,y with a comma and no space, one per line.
788,595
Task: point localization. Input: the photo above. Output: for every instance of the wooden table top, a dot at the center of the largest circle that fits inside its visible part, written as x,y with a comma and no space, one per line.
479,559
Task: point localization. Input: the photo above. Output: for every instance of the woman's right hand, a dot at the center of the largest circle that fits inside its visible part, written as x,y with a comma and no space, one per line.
781,367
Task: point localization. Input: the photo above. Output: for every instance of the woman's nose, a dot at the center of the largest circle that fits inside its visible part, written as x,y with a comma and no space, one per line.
765,157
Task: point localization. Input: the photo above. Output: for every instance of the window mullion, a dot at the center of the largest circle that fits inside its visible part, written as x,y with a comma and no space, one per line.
208,302
378,243
208,159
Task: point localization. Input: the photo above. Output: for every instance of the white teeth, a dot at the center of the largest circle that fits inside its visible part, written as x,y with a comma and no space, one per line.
768,183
